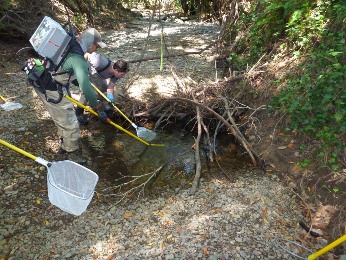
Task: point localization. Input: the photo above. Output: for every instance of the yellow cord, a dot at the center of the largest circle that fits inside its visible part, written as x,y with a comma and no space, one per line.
161,61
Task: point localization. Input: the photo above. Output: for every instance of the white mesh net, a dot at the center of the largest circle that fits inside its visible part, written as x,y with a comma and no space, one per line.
146,134
70,186
8,106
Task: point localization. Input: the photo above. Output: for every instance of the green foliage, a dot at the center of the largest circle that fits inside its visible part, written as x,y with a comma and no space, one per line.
78,20
238,62
336,189
314,94
270,21
331,189
315,98
304,163
4,7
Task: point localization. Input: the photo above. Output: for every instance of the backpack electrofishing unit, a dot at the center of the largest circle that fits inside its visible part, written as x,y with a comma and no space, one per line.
53,43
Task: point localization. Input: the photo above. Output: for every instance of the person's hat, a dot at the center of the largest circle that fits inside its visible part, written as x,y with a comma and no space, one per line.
96,36
98,39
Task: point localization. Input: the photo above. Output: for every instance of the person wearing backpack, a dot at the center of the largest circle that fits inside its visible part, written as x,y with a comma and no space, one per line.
62,113
104,75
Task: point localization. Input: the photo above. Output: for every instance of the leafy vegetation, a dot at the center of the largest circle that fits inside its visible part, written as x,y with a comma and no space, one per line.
313,95
18,20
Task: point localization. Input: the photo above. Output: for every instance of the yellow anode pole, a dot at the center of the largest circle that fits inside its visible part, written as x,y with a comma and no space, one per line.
327,248
107,99
110,122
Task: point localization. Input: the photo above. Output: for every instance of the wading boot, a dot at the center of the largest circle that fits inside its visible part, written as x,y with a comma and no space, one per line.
80,117
61,150
77,157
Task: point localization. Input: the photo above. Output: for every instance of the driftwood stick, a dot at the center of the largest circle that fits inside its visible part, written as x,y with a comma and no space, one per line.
219,124
169,111
226,123
158,122
123,194
197,154
210,146
241,138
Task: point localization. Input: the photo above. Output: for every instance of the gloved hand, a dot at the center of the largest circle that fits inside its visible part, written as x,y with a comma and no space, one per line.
101,113
110,97
103,116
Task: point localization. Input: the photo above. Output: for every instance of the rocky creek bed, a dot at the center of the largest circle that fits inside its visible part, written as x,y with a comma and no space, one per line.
245,218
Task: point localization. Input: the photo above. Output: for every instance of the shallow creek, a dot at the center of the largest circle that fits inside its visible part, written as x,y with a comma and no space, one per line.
116,155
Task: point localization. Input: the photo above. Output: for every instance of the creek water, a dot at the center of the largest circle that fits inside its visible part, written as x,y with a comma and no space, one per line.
116,154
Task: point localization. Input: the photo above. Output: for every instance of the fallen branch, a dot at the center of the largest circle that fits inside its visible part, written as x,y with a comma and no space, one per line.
197,154
240,136
219,124
138,188
256,160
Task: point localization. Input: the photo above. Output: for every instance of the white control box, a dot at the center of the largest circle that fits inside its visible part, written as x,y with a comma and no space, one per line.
50,40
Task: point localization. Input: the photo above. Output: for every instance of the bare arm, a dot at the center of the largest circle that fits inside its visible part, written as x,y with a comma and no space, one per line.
110,88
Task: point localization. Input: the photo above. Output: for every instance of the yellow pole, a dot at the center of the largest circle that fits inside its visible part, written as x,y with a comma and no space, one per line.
161,57
3,98
106,98
327,248
18,149
110,122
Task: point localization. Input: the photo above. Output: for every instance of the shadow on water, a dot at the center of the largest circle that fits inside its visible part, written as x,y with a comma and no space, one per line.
115,155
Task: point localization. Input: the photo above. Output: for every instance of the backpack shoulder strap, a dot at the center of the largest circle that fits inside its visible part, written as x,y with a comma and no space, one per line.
104,68
71,46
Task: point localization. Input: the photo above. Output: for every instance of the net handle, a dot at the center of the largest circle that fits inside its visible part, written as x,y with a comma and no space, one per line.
109,101
111,122
132,123
35,158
